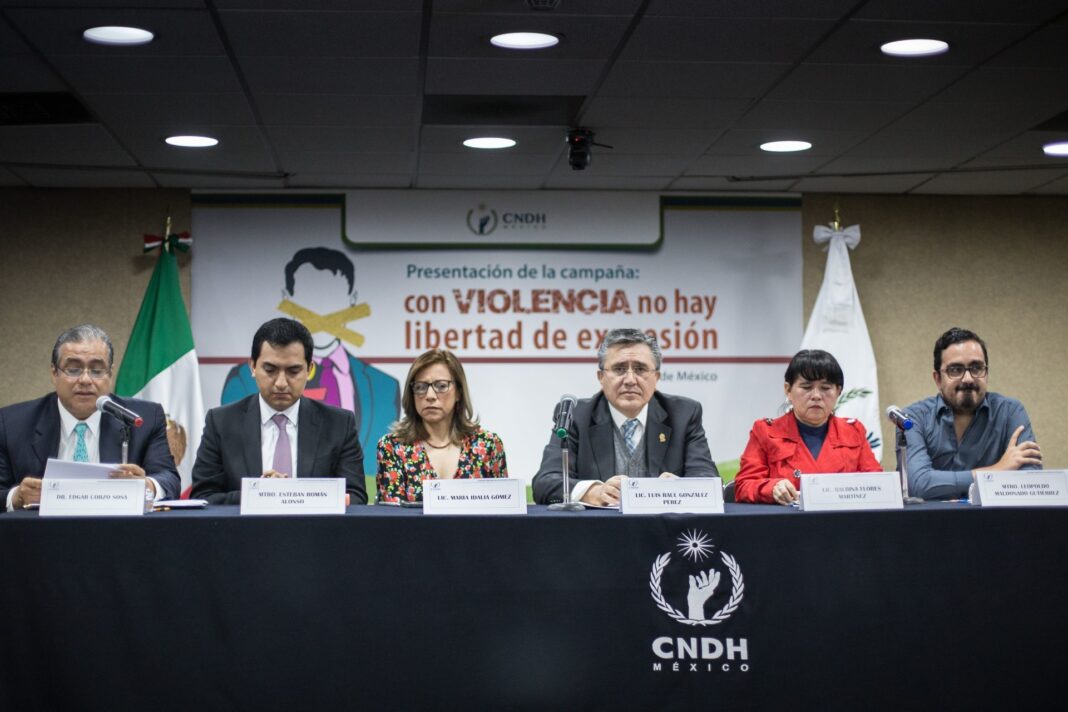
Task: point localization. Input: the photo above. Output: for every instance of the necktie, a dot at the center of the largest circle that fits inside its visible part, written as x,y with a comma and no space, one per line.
81,452
283,457
630,434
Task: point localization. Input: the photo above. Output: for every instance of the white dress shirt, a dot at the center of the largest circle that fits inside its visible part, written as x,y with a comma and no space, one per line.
269,434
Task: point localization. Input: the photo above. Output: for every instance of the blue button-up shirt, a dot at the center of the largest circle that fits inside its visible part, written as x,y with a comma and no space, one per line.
939,466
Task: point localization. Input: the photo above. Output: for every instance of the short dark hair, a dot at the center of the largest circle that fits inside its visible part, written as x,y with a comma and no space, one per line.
628,337
814,365
80,334
282,332
320,258
956,335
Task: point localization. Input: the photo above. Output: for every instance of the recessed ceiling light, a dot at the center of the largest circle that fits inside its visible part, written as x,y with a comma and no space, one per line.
785,146
1057,148
524,40
192,141
116,35
489,142
914,48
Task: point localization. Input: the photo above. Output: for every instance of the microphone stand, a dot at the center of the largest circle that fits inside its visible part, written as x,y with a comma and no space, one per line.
901,448
126,433
566,505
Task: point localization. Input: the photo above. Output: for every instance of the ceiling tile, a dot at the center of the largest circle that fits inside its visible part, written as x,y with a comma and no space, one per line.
724,40
706,114
338,109
78,144
510,76
54,178
331,75
323,34
713,80
862,184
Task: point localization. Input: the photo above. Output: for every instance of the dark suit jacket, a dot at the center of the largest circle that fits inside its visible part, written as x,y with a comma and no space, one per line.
674,442
327,446
29,435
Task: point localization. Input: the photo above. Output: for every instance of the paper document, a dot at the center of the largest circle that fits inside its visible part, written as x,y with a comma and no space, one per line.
67,470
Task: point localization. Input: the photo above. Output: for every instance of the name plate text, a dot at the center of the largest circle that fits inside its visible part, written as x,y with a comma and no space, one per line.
92,498
475,496
692,495
301,495
851,491
1029,488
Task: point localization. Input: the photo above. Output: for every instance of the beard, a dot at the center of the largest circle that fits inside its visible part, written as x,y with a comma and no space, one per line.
967,399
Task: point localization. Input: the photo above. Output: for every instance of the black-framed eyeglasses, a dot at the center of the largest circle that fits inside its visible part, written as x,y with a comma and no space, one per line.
957,370
622,369
75,372
420,388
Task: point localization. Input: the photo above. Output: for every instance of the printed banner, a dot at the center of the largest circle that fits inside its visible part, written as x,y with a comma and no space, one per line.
721,290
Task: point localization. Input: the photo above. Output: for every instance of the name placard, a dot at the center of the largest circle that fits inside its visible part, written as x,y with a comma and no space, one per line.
92,498
475,496
301,495
851,490
652,495
1030,488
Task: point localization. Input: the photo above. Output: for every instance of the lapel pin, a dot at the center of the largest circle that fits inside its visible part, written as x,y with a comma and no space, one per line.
663,438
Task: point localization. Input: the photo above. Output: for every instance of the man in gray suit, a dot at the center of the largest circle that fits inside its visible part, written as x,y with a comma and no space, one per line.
277,432
629,429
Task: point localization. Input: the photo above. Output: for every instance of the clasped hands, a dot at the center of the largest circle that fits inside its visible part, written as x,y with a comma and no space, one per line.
607,493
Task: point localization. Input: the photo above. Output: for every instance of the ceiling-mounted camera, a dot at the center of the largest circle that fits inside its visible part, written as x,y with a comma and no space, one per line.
579,142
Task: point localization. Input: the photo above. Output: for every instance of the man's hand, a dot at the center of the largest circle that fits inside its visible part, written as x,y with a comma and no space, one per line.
28,492
275,474
131,471
1018,454
784,492
668,476
605,493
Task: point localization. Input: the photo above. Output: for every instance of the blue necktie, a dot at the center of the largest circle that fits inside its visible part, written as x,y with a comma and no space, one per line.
630,433
81,452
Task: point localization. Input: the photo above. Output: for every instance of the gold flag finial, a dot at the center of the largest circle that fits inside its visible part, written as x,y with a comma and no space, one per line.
836,225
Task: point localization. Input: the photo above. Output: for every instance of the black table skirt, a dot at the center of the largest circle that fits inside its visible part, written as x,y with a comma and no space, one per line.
939,606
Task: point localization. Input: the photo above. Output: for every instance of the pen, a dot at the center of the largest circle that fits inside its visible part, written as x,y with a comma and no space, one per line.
161,509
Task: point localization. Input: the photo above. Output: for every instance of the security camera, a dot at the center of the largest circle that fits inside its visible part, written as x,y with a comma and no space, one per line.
579,142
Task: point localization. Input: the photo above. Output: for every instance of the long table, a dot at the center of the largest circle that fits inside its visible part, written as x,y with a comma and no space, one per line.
939,606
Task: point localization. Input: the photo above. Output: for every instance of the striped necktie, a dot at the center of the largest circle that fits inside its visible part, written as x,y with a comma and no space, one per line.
630,434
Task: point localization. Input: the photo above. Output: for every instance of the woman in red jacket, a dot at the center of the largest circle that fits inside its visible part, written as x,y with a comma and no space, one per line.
808,439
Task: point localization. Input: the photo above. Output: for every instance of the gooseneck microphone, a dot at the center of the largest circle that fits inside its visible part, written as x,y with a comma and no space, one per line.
562,415
105,405
899,417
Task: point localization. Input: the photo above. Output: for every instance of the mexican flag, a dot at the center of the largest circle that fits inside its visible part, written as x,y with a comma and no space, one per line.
161,364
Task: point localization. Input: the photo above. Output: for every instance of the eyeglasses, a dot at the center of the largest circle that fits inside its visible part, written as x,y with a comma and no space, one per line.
76,372
621,370
956,370
420,388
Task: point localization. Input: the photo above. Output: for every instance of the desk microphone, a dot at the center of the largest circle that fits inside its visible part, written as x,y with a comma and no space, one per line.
899,418
105,405
562,415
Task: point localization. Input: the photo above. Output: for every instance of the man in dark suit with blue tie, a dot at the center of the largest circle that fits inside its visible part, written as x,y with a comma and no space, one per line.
277,432
629,429
66,425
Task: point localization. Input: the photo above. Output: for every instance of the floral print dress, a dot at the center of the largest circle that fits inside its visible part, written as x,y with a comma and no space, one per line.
402,467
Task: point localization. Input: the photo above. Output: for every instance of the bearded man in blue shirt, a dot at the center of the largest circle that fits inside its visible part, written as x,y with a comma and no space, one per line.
965,428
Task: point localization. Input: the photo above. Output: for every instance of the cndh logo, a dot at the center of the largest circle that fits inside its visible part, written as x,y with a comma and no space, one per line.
692,653
481,221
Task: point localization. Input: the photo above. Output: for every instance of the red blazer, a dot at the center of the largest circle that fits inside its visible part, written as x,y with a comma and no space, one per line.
775,451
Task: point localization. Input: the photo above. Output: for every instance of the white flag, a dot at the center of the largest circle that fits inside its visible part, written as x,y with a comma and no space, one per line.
837,325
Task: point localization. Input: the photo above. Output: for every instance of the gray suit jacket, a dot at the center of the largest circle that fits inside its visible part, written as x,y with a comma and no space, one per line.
674,442
327,446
